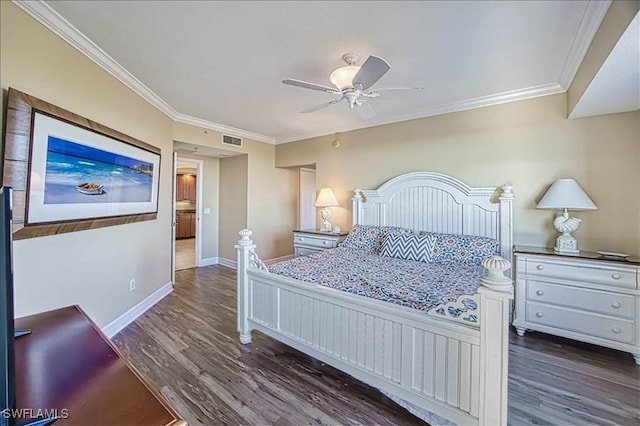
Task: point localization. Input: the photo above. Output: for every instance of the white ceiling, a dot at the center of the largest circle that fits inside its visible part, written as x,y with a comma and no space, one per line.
207,62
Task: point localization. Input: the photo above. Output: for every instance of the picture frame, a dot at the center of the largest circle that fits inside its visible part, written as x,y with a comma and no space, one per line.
69,173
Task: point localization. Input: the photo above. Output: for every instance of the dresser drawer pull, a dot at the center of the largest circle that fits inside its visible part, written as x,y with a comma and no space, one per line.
616,305
540,267
616,330
301,238
324,242
539,314
616,276
540,292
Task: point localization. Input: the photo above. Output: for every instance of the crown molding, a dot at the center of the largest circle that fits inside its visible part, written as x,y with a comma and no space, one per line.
467,104
51,19
591,20
47,16
228,130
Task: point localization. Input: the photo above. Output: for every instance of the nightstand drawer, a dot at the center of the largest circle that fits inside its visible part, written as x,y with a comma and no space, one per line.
582,272
302,251
605,302
323,243
581,322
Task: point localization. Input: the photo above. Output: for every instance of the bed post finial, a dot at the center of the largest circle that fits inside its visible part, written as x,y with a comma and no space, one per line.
245,249
245,240
496,293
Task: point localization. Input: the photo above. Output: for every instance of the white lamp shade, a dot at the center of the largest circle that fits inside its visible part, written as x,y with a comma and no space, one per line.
566,194
342,77
326,198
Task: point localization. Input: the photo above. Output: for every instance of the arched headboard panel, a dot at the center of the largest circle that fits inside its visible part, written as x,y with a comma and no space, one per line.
436,202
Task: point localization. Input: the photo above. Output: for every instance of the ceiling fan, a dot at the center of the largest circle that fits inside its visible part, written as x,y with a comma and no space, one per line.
352,83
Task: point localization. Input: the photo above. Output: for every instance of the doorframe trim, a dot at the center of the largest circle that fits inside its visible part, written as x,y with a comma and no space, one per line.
199,165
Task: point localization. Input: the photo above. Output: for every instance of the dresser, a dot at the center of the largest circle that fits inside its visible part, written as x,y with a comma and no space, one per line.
309,241
585,297
67,366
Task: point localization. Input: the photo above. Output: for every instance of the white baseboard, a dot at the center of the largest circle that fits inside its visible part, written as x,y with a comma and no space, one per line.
227,262
209,261
128,317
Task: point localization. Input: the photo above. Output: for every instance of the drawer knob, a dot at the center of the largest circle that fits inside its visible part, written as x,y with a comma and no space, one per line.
324,242
540,267
616,305
301,238
616,276
540,292
539,314
616,330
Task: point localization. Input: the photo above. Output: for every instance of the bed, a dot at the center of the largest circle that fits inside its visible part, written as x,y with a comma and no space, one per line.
447,354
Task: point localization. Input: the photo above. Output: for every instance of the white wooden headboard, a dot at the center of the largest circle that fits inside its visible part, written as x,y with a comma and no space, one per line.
436,202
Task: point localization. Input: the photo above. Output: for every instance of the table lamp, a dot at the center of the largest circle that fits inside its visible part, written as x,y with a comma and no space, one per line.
326,199
566,194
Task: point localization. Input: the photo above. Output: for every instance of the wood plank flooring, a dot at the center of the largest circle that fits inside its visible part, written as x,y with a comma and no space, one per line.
187,347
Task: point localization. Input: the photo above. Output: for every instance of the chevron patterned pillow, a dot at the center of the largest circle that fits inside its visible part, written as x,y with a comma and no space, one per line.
409,247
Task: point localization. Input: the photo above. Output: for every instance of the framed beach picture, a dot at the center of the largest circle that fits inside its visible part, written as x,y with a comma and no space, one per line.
70,173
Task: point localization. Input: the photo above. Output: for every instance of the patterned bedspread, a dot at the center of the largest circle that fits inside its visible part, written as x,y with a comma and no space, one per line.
409,283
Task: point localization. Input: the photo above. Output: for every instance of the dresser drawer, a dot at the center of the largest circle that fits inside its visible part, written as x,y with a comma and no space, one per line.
619,330
609,303
582,272
323,243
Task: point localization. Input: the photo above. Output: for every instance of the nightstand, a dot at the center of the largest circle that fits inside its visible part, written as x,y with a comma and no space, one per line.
309,241
585,297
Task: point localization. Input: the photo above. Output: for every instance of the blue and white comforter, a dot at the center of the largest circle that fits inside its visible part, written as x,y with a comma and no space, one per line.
417,285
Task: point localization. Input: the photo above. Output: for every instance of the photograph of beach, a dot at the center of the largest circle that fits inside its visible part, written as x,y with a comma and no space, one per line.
77,173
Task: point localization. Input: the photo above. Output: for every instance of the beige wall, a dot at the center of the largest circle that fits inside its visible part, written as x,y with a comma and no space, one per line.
527,143
210,181
233,203
271,195
88,268
272,212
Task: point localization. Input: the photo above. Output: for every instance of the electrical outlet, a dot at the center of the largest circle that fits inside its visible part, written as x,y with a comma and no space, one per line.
132,284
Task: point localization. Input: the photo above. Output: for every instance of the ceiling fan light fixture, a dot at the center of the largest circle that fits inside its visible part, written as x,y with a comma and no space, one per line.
342,77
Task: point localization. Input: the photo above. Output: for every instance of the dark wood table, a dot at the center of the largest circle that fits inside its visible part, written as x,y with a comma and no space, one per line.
67,366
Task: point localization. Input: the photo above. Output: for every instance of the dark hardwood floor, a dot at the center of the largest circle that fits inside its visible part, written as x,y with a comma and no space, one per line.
187,347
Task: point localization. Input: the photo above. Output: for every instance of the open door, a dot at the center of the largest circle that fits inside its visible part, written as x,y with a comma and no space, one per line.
173,220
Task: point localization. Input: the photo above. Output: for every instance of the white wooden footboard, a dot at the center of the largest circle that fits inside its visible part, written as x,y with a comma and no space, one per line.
454,370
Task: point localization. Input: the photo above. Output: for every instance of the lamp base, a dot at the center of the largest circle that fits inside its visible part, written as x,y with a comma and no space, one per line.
325,214
566,244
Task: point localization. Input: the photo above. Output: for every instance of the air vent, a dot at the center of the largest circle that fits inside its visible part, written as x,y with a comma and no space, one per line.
231,140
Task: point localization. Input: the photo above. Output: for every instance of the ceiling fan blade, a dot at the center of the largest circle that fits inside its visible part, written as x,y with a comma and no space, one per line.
363,110
387,89
318,107
307,85
371,71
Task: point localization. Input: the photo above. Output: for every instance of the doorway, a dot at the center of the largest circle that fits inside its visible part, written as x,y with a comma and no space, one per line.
307,199
188,183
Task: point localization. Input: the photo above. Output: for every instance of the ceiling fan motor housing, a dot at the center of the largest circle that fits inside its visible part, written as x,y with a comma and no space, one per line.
352,97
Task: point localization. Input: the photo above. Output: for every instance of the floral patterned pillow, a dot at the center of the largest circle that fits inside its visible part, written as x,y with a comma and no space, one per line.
467,249
371,238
